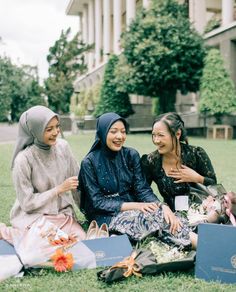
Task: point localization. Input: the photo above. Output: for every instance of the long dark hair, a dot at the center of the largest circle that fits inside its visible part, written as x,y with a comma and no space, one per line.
173,123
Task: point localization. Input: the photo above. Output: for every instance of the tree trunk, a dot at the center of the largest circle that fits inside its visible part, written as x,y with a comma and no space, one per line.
167,101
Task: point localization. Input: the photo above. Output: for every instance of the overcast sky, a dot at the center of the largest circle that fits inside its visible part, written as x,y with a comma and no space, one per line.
29,27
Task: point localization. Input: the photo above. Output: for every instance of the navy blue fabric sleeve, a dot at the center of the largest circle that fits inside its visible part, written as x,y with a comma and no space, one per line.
94,198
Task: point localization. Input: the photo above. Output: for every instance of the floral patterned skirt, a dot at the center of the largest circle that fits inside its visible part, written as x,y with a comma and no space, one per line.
138,225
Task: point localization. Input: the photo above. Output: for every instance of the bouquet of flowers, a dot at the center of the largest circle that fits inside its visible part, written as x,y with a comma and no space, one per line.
32,246
229,204
165,253
206,204
155,258
46,245
138,263
37,244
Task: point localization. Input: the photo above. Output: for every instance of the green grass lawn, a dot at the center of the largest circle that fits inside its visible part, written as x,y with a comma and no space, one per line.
223,156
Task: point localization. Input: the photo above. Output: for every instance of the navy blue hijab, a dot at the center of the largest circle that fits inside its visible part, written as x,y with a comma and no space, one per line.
104,123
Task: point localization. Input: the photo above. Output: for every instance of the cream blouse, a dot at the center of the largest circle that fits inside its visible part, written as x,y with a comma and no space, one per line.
36,174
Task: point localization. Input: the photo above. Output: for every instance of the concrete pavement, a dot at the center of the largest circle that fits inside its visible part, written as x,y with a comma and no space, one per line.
8,133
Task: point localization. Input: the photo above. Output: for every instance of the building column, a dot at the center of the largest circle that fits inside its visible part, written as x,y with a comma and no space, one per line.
106,29
145,3
85,23
98,31
91,32
85,29
227,12
80,24
117,25
130,11
197,14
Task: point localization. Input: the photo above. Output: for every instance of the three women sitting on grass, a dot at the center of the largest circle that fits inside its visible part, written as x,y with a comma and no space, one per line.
113,181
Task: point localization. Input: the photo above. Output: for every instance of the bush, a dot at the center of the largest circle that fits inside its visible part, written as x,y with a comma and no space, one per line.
213,23
217,90
111,98
85,102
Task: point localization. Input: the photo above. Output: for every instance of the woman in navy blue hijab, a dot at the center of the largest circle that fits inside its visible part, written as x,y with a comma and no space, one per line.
114,190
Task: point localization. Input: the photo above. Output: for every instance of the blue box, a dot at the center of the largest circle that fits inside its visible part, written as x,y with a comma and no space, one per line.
101,252
216,253
6,248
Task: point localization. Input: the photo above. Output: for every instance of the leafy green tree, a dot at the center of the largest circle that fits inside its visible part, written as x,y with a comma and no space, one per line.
35,94
19,89
5,90
66,60
26,91
162,53
111,99
217,90
18,86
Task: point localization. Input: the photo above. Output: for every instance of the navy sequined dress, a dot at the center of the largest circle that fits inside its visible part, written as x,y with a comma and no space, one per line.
108,179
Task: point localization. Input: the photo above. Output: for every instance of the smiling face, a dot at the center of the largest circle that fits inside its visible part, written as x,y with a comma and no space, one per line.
162,138
116,136
51,132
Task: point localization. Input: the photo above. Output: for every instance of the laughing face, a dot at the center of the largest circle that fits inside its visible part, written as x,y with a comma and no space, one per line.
162,138
116,136
51,132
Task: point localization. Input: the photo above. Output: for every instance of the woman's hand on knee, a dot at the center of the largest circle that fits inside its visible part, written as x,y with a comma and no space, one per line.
144,207
175,223
147,207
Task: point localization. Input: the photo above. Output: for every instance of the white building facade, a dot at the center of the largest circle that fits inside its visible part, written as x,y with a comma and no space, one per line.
101,23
